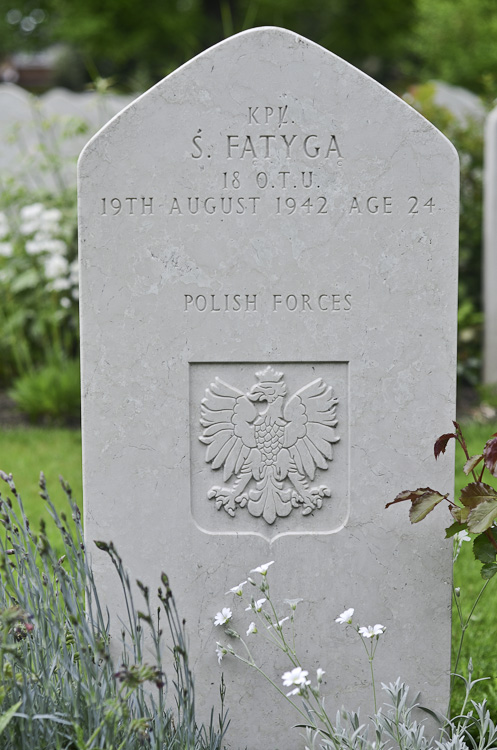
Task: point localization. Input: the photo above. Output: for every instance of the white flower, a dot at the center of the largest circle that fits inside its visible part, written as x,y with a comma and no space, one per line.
370,631
320,672
345,617
293,602
278,624
34,246
43,242
237,590
296,677
32,211
56,247
30,218
59,285
223,616
459,538
256,605
55,266
6,249
262,568
220,651
251,628
49,220
65,302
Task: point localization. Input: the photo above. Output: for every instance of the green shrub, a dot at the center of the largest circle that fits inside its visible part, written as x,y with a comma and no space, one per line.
38,281
51,392
59,684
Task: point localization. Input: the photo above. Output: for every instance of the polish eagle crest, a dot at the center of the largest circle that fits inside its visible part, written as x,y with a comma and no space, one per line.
276,448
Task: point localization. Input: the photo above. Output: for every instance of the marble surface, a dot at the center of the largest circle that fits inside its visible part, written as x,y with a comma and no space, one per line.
268,307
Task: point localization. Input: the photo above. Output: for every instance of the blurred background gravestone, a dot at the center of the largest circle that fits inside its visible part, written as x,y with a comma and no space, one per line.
41,136
490,251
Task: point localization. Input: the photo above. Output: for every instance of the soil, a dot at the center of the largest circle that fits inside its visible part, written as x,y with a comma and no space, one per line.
10,416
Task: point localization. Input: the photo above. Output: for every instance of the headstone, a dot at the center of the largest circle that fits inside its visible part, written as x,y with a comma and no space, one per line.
31,125
268,299
466,106
490,250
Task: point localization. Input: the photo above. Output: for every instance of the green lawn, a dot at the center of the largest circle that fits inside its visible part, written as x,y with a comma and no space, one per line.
480,642
27,451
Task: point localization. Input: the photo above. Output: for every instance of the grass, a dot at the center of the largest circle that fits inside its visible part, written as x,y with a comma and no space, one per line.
27,451
480,642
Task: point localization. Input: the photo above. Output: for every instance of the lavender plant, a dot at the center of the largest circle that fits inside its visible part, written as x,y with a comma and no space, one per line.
59,684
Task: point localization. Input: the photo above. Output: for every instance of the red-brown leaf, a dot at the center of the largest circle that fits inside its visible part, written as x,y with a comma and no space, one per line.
411,495
490,455
424,504
475,493
441,443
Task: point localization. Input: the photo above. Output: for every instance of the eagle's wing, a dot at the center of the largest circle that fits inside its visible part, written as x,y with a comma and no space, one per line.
310,431
227,417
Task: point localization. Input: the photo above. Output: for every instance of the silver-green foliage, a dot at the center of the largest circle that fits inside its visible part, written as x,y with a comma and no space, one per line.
60,688
394,726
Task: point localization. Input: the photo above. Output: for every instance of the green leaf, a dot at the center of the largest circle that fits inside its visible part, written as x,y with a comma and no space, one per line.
488,570
460,514
8,715
471,463
414,496
482,517
454,528
475,493
483,549
424,504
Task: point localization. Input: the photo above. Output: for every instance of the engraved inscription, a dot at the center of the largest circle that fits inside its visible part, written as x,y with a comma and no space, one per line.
277,449
307,204
275,167
293,302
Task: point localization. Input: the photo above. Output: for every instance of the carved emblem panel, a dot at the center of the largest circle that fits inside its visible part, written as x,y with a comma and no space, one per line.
269,447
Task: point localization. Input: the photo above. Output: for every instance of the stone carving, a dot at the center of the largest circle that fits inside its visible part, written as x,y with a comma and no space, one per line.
278,447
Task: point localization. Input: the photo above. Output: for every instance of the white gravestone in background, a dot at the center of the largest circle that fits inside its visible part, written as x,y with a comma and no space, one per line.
268,267
490,250
34,129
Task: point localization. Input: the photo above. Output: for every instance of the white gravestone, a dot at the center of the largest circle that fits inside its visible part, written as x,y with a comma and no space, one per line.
490,250
268,270
31,125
